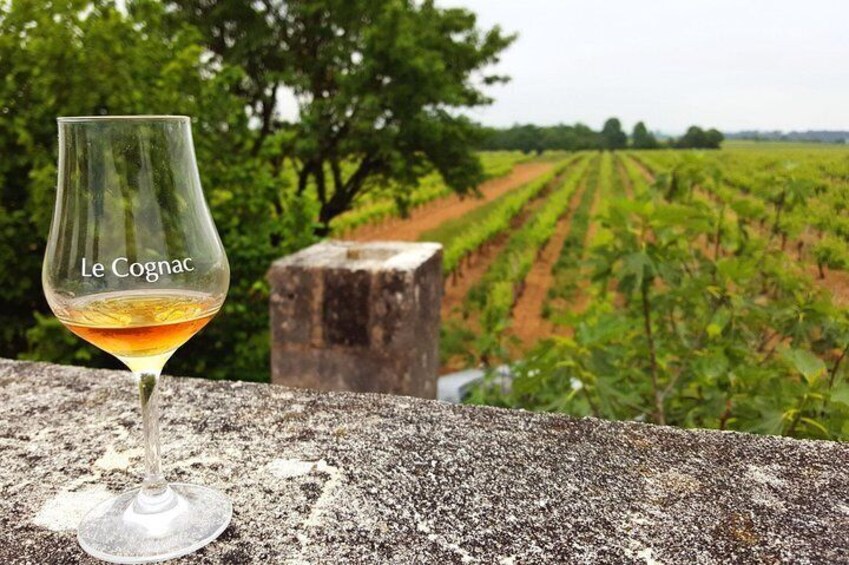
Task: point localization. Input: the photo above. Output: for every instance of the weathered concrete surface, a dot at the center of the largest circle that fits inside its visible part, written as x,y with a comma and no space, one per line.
360,317
347,478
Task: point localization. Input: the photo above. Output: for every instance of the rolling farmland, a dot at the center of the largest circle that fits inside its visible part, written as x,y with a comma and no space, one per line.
673,286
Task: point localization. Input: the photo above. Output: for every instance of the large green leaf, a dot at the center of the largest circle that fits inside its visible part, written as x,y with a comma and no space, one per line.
840,393
809,365
635,268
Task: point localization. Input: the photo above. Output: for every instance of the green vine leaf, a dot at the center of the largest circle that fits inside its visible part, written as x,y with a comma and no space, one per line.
840,393
809,365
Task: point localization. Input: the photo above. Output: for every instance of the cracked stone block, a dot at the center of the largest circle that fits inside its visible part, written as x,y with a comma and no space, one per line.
359,317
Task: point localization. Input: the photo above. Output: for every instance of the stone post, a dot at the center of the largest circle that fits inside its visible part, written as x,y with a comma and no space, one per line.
361,317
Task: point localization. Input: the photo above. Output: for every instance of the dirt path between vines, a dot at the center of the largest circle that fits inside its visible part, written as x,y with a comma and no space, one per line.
432,214
528,322
477,263
584,295
649,176
455,290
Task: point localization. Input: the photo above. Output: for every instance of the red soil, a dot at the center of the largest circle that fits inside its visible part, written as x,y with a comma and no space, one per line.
432,214
643,169
477,263
528,323
455,289
626,181
473,268
835,282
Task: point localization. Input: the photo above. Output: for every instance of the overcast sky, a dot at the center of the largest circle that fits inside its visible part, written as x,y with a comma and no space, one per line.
730,64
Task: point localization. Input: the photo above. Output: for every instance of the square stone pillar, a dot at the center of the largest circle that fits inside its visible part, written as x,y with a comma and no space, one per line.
361,317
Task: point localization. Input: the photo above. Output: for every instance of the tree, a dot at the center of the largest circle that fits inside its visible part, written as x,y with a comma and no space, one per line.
86,57
526,138
376,82
693,139
713,138
641,138
612,136
697,138
530,138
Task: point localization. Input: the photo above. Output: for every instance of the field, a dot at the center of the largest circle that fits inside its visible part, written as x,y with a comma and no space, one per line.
695,288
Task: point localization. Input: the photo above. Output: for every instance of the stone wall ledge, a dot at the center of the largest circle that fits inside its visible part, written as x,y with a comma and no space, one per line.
365,478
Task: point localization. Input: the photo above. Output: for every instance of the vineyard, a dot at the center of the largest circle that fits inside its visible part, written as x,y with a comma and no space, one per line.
377,205
681,287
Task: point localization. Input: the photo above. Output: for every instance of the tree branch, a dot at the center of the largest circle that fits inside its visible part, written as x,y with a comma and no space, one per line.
342,199
268,104
337,175
303,177
836,366
320,184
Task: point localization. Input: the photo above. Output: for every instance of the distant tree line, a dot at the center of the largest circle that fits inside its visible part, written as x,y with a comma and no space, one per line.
808,136
536,139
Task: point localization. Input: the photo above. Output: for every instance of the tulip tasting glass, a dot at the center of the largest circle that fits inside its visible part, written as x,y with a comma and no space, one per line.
134,265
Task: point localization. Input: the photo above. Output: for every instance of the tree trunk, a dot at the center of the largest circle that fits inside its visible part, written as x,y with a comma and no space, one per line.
268,105
304,177
340,202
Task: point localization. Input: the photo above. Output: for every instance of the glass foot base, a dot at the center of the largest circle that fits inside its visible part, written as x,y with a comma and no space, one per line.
127,529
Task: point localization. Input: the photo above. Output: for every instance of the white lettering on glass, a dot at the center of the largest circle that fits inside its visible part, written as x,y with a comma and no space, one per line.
115,267
151,271
96,270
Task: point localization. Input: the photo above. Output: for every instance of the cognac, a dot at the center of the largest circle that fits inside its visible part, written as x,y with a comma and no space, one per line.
139,324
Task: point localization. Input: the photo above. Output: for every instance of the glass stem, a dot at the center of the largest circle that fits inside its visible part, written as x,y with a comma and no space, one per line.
154,485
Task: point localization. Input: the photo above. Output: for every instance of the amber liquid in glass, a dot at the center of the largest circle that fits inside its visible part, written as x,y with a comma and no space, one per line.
138,325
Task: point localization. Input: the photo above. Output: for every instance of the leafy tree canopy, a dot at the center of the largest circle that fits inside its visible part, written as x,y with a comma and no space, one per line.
376,83
535,139
612,136
697,138
641,138
87,57
377,86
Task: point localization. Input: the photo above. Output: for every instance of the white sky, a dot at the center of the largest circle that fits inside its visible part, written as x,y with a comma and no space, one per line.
730,64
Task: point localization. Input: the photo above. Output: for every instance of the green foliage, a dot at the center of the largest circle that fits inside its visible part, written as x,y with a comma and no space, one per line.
612,136
378,205
536,139
496,292
456,340
466,234
710,325
567,269
81,58
377,84
831,252
641,138
48,339
697,138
